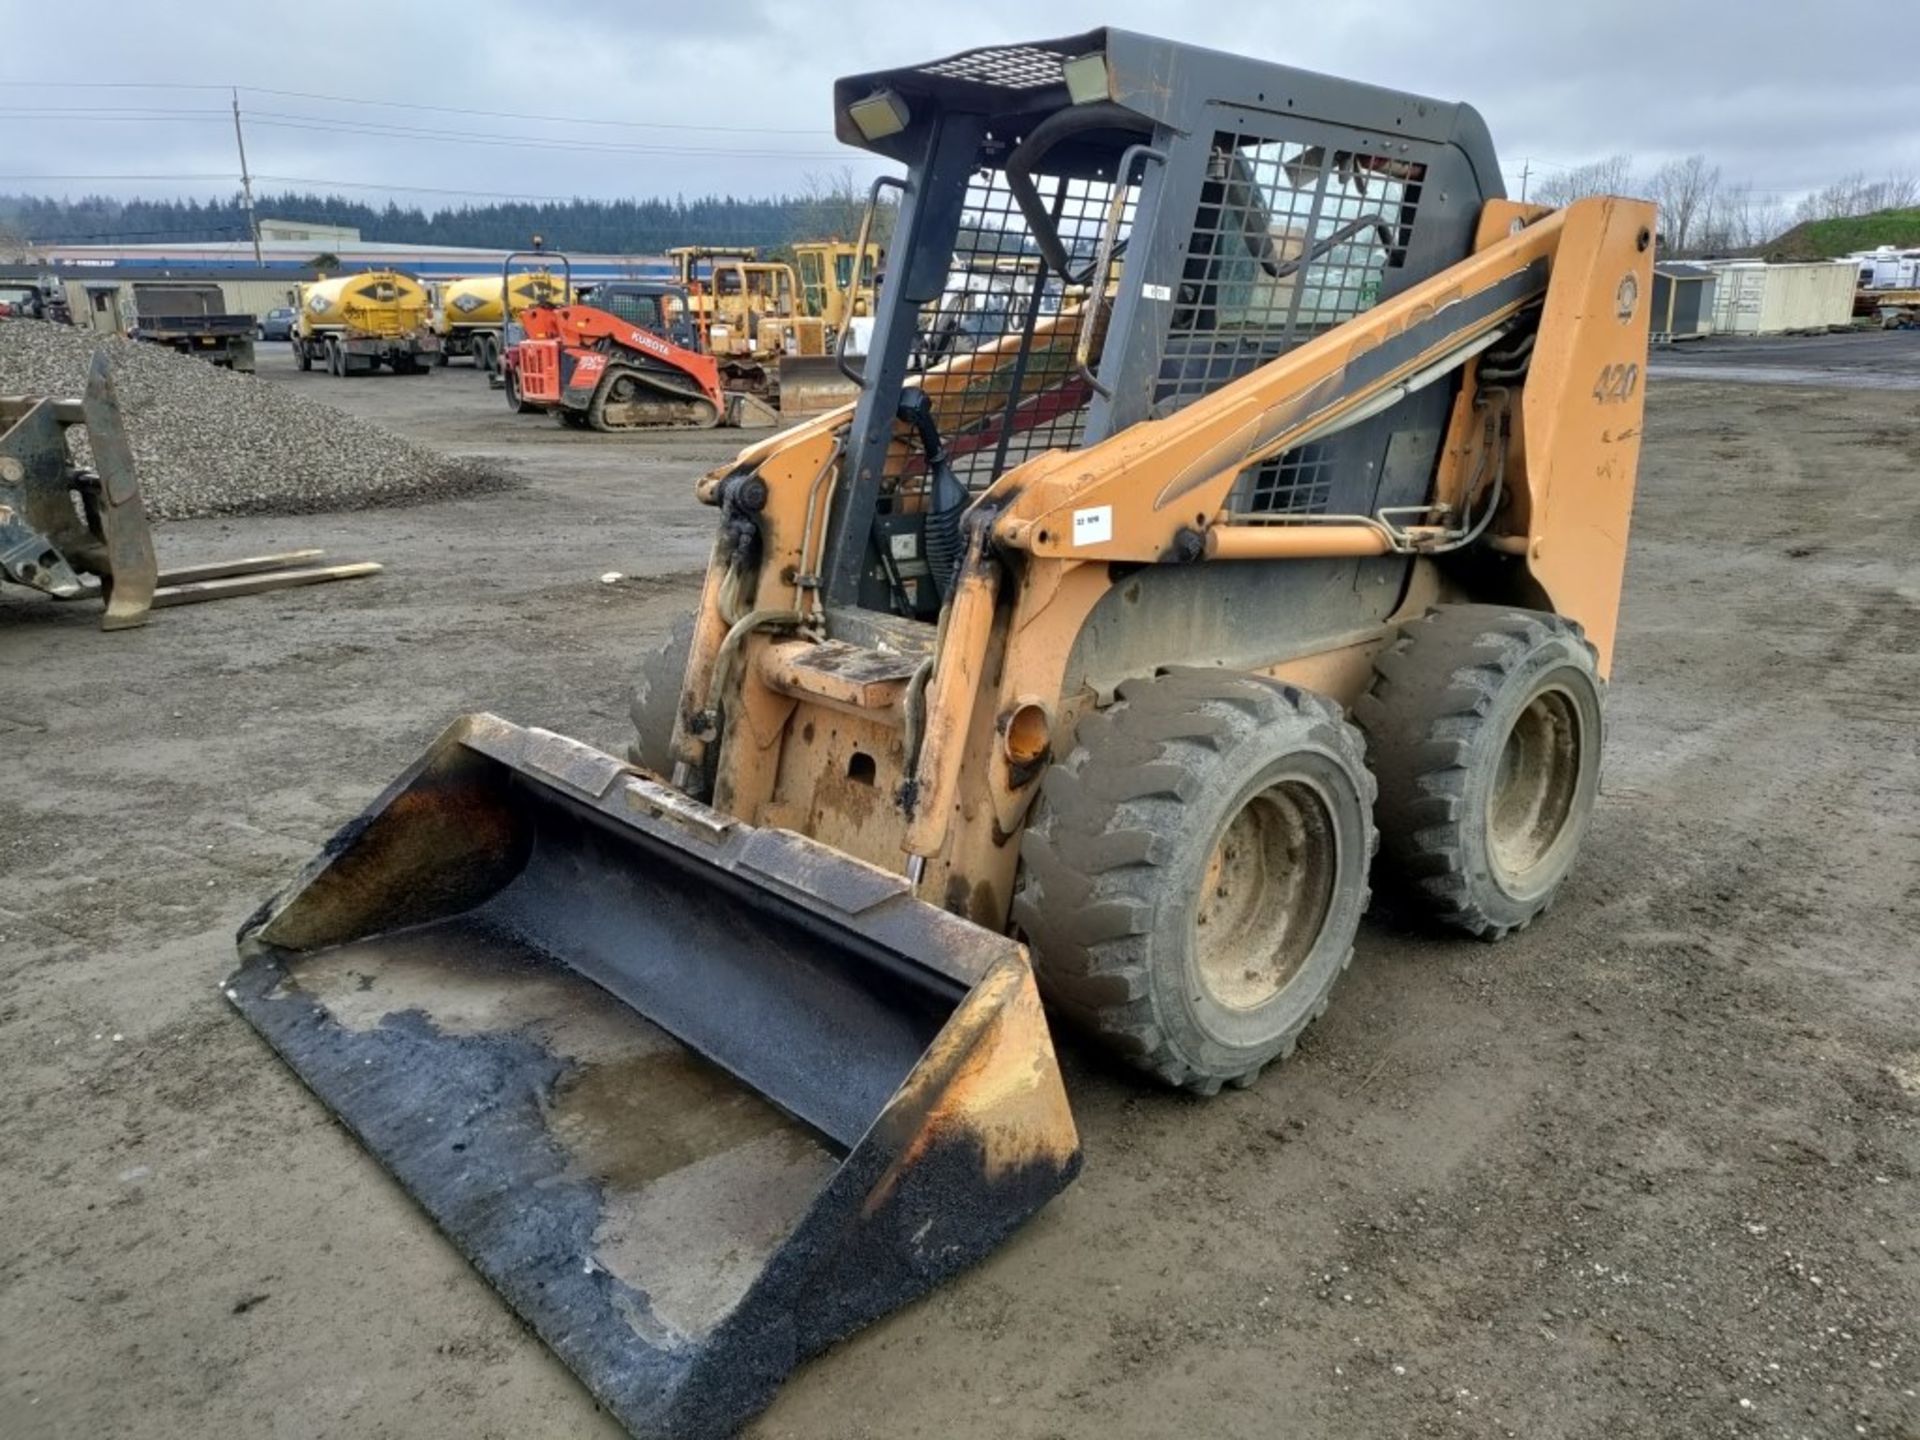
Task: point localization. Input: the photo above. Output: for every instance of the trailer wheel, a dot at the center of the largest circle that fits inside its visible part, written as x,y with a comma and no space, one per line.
1194,872
1484,725
336,360
301,358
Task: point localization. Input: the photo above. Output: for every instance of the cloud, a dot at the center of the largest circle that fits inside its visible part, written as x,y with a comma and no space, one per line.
733,98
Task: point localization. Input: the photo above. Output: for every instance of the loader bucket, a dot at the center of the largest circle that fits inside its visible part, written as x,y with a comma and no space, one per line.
697,1098
812,385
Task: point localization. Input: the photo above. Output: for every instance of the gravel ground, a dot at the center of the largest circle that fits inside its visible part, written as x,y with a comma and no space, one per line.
1651,1169
207,441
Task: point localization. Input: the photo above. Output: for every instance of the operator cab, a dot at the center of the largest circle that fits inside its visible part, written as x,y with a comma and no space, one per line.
656,306
1212,212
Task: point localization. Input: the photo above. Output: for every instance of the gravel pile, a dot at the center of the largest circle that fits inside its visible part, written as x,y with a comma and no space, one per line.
209,442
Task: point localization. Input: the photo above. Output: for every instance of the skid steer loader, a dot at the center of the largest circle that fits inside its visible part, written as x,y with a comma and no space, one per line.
1236,477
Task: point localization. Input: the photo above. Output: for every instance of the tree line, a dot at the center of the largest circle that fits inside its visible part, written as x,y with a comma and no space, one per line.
1704,214
825,207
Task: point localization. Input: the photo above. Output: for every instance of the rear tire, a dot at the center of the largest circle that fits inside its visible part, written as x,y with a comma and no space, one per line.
656,699
336,361
1484,725
1194,873
302,358
514,402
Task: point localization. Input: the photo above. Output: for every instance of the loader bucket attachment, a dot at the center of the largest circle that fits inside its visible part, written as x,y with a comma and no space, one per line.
697,1098
812,385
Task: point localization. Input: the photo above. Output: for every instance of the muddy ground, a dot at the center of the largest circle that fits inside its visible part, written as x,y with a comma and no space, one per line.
1650,1169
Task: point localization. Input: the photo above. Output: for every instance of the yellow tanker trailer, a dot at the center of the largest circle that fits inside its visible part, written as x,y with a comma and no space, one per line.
354,324
467,315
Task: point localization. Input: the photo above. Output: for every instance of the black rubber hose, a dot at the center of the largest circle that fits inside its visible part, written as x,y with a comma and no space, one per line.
947,495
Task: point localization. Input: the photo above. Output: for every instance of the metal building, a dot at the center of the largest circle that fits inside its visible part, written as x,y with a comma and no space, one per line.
1682,301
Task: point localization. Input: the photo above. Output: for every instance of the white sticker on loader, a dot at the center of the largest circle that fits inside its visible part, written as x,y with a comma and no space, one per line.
1156,292
1093,526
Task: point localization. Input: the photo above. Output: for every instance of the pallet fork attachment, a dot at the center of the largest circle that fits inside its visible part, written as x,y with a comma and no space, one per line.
80,534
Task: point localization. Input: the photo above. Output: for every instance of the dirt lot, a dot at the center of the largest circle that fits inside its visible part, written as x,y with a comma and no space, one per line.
1653,1169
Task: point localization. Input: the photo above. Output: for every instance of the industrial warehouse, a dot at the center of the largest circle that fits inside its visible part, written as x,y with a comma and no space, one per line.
1223,745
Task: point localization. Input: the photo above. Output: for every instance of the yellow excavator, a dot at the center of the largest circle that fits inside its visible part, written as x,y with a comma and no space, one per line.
1238,483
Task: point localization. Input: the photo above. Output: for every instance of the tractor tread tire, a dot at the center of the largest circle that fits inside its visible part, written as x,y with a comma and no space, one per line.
1436,689
1097,861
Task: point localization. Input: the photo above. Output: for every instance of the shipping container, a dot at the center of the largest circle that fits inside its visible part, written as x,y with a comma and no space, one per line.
1755,298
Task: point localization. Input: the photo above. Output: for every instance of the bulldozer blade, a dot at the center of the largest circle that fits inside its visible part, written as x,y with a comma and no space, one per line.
749,412
697,1098
812,385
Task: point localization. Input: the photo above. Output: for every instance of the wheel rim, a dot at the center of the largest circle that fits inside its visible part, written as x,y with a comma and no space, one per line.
1265,895
1535,786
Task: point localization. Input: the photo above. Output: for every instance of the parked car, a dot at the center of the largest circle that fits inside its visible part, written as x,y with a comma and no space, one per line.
276,324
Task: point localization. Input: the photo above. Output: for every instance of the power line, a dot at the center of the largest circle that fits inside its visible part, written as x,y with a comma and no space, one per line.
125,118
549,119
227,177
812,130
282,121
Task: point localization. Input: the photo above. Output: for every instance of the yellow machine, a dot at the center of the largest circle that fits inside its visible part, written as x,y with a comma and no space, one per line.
354,324
469,313
748,311
813,380
1237,483
828,288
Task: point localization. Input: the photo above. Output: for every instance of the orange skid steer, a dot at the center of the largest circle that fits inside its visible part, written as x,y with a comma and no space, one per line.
1238,486
602,371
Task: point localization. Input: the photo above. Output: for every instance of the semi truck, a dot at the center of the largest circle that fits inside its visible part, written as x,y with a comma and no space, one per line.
469,314
354,324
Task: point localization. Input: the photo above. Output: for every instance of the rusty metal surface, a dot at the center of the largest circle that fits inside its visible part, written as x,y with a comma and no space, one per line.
819,1097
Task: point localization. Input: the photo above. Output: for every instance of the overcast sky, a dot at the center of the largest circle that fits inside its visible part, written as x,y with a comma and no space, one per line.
1783,94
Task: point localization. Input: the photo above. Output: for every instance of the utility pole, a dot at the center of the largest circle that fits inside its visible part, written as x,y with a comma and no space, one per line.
1526,166
246,180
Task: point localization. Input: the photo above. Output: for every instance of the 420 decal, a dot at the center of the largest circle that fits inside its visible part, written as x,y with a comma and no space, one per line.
1616,384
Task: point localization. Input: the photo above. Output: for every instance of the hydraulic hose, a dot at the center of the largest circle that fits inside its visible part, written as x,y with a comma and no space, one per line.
947,495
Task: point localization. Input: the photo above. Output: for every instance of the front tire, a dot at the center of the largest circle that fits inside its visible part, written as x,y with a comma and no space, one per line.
1484,725
1195,871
